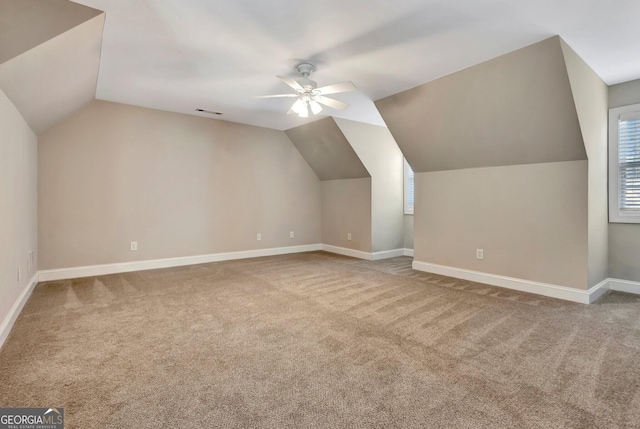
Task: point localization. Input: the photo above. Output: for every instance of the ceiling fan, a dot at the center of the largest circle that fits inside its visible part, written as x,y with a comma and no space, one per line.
309,96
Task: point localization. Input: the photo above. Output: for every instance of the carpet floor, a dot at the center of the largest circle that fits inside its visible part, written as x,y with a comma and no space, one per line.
317,340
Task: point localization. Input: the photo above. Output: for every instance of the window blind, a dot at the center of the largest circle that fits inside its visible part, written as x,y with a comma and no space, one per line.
409,186
629,162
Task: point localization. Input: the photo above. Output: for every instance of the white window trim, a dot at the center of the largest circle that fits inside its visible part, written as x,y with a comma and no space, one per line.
615,216
408,210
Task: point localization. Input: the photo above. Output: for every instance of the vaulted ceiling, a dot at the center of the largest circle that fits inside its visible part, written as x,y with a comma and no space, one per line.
216,55
49,57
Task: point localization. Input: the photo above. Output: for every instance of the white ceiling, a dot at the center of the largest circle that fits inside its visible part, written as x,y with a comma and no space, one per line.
216,54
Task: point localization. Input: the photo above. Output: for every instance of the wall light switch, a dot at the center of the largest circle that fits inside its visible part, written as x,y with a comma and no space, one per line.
134,246
259,236
292,235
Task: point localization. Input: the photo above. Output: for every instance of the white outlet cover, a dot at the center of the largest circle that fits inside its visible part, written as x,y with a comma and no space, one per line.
292,235
134,246
259,236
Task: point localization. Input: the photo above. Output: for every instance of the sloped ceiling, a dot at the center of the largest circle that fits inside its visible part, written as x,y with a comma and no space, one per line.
326,149
25,24
514,109
53,79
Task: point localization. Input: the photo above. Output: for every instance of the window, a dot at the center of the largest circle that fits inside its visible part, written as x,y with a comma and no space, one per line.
624,164
408,188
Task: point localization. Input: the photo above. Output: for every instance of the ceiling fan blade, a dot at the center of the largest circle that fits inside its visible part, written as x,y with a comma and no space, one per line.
275,96
336,88
291,82
334,104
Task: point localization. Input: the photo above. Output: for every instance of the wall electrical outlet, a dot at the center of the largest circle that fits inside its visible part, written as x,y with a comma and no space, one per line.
19,273
259,236
349,236
479,253
30,260
134,246
292,235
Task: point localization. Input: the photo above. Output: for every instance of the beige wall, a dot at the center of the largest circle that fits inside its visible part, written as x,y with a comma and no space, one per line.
531,221
346,208
501,165
408,231
18,204
176,184
624,238
624,94
383,159
624,251
590,94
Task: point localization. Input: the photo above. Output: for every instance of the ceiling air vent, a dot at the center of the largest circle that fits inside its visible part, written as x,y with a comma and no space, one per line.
211,112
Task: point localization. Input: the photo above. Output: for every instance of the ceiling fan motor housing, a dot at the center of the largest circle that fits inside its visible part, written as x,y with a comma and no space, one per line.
305,69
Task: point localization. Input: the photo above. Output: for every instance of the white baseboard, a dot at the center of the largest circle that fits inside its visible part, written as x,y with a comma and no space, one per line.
123,267
99,270
408,252
346,252
386,254
598,290
546,289
11,318
624,286
369,256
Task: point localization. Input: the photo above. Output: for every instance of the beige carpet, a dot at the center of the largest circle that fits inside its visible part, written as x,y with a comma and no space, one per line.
320,341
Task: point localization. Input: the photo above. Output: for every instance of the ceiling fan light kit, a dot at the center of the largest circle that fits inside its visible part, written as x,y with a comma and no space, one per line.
300,107
309,96
315,107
